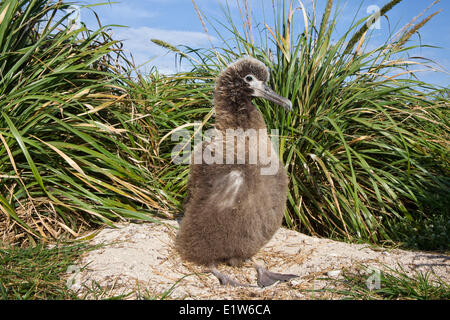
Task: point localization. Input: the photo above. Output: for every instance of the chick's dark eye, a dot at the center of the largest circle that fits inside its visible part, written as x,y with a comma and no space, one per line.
249,78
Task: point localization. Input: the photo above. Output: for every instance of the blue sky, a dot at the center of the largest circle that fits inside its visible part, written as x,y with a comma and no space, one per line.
176,22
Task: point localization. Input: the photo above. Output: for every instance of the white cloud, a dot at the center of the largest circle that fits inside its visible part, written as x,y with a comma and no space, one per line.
137,42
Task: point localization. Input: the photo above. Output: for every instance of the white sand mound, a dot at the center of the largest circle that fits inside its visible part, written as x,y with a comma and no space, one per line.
141,258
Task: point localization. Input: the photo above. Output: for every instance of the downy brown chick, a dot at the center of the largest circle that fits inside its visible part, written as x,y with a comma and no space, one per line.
233,208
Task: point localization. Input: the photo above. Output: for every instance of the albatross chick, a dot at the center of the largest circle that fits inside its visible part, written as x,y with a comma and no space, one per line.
235,205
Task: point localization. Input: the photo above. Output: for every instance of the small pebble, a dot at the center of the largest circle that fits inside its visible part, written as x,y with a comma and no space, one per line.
296,282
334,273
334,255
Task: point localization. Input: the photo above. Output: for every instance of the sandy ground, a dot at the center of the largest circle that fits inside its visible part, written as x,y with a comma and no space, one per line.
141,258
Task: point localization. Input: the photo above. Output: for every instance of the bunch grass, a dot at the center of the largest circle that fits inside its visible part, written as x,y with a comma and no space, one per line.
366,147
69,157
83,142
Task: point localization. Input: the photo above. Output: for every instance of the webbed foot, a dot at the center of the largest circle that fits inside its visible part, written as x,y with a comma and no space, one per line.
267,278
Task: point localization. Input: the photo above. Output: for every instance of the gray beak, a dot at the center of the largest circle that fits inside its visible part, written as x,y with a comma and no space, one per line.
263,91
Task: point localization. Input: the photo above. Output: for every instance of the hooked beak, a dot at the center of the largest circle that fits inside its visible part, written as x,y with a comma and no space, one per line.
260,89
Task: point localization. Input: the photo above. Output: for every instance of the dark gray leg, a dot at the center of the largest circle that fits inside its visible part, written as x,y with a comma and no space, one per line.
267,278
224,279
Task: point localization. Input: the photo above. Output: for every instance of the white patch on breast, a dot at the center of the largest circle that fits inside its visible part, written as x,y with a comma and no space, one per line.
227,189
